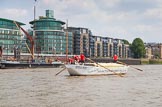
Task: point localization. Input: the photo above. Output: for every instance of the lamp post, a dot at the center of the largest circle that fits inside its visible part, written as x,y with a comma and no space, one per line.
6,52
61,47
54,49
90,53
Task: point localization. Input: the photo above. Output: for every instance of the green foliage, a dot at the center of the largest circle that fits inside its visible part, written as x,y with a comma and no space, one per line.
138,48
157,55
151,61
125,41
144,61
155,61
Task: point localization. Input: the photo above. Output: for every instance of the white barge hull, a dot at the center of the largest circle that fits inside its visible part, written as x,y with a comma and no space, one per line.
84,70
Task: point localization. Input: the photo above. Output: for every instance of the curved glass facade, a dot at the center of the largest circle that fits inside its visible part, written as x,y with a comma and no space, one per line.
47,25
10,35
50,37
52,42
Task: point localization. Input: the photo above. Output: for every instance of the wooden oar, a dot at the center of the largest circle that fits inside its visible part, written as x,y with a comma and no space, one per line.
105,67
129,65
60,71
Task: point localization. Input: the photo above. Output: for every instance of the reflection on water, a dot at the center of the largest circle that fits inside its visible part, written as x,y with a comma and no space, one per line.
41,88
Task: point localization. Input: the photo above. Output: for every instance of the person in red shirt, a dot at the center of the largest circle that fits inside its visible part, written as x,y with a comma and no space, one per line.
71,60
76,58
115,58
82,58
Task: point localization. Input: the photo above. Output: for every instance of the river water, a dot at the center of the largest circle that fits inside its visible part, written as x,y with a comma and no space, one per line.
41,88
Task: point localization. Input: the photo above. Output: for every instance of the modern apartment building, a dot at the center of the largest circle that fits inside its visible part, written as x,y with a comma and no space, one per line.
10,36
97,46
107,47
50,37
81,39
153,50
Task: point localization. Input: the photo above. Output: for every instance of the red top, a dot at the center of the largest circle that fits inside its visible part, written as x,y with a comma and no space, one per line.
71,60
115,57
82,57
76,57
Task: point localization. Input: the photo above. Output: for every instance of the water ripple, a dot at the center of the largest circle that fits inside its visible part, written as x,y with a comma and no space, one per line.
41,88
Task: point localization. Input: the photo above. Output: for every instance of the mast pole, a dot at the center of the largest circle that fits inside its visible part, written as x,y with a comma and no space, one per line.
35,8
67,41
34,25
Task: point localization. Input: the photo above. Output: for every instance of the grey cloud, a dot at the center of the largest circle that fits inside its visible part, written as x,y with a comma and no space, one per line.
135,5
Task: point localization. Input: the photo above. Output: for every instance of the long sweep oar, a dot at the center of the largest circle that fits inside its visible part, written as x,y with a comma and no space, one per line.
105,67
60,71
129,65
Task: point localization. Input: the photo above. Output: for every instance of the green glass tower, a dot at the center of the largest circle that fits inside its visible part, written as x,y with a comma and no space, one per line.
50,37
10,36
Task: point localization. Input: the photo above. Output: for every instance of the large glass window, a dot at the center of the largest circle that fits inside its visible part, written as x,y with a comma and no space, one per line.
53,25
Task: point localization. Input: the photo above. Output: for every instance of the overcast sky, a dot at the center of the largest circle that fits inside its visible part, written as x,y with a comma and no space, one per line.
124,19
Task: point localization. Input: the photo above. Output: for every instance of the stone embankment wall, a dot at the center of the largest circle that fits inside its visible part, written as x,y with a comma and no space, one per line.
151,61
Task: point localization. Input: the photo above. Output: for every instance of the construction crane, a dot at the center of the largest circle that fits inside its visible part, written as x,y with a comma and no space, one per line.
29,37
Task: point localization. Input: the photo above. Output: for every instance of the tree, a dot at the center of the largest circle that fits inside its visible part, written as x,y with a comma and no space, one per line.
138,48
125,42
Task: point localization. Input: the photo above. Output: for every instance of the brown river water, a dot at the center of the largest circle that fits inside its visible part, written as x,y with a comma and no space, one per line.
41,88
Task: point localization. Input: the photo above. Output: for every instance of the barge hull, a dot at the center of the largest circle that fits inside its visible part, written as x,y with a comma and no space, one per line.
26,65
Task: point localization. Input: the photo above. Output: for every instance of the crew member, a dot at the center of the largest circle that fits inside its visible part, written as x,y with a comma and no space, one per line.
71,60
115,58
82,58
76,58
